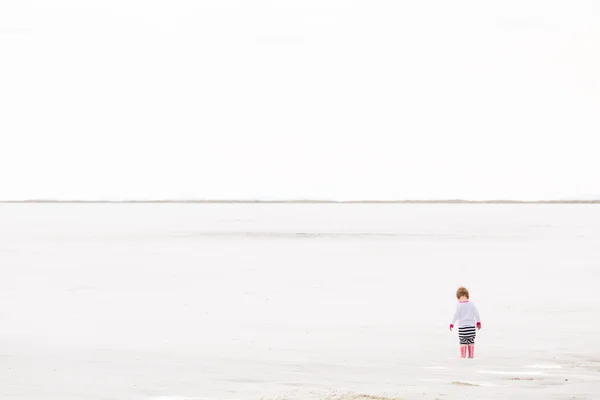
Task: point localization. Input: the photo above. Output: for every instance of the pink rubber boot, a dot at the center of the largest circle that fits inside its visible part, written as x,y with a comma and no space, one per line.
463,351
471,351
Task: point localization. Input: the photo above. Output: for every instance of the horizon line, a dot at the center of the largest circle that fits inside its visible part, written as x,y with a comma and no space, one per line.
296,201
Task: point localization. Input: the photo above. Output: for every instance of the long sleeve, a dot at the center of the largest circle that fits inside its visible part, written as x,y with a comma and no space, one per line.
477,318
455,316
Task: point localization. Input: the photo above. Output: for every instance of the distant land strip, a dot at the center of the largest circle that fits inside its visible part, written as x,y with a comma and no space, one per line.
42,201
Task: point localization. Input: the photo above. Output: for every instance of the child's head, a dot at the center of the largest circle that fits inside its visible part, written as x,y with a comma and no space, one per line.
462,292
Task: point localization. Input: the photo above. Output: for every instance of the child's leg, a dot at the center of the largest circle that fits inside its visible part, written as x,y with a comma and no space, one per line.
472,345
472,350
464,336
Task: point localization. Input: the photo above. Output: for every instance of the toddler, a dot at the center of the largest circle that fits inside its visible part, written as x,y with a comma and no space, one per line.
468,321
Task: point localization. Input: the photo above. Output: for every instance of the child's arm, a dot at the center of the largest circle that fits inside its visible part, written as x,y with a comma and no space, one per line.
477,318
454,318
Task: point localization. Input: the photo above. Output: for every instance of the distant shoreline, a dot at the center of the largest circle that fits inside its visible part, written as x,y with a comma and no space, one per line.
298,202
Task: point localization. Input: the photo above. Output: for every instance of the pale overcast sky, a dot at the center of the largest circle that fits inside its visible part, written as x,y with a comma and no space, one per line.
338,99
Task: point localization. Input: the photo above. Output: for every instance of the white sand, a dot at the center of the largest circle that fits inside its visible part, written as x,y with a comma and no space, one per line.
297,301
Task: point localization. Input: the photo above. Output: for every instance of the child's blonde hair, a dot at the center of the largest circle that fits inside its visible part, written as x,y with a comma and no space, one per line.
462,291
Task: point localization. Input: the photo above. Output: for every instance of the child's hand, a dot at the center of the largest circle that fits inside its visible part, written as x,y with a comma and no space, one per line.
451,326
479,325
